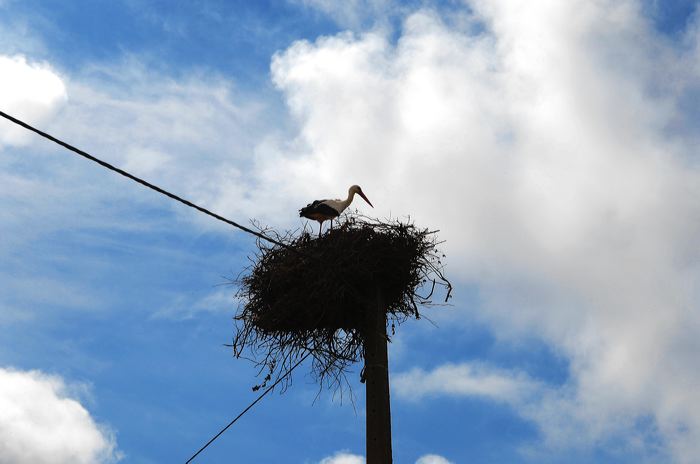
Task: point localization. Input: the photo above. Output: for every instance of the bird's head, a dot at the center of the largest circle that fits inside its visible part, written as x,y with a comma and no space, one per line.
356,189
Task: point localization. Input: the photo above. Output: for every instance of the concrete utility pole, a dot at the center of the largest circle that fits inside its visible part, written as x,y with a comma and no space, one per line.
377,387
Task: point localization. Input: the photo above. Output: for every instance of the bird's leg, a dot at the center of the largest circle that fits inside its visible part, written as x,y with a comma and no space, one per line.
320,225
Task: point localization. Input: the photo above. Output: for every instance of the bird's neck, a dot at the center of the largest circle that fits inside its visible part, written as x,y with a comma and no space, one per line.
345,203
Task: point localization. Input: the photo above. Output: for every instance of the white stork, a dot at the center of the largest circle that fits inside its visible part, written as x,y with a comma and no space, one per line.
324,210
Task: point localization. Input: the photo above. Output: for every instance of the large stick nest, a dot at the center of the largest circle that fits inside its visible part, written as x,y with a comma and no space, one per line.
314,293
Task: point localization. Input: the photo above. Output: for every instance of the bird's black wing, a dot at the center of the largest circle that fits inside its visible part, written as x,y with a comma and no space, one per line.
318,207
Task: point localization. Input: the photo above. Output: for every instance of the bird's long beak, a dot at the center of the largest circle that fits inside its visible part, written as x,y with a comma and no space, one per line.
365,198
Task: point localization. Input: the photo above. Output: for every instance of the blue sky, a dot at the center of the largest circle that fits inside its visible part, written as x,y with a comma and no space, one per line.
552,144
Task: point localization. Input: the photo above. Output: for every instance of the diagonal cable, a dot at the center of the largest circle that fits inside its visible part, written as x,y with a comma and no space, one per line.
168,194
268,390
139,180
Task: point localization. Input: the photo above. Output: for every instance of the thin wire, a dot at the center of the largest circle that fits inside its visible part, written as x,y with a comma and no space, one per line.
139,180
268,390
191,205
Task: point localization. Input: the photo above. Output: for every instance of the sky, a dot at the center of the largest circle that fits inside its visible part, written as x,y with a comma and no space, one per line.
553,144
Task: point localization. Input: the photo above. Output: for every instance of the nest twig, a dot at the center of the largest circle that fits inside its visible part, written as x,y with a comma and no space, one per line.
314,294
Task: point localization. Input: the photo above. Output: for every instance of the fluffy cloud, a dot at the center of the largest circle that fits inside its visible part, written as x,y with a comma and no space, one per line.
41,423
566,419
29,91
347,458
342,457
465,380
432,459
550,143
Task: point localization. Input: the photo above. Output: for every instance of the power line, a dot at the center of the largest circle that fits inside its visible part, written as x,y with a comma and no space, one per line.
268,390
145,183
139,180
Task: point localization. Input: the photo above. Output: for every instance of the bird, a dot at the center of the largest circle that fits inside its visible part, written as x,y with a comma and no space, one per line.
324,210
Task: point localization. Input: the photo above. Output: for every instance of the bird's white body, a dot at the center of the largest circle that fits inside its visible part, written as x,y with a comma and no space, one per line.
339,205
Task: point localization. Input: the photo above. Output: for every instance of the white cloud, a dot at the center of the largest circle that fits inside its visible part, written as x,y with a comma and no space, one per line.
343,457
467,379
566,417
29,91
546,150
432,459
41,423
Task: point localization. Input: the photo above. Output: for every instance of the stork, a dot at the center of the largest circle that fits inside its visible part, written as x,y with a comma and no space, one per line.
324,210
